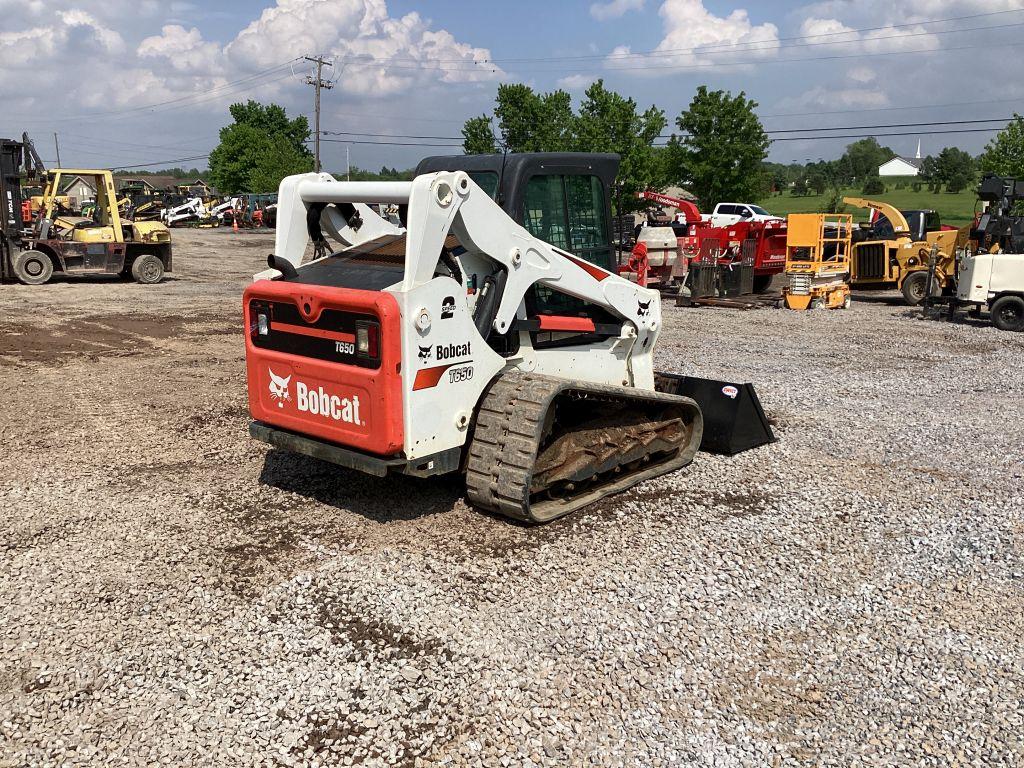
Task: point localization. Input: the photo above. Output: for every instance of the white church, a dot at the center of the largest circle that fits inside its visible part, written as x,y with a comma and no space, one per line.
902,166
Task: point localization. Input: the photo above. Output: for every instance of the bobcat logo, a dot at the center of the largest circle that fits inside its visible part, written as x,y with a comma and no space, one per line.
279,388
425,353
643,308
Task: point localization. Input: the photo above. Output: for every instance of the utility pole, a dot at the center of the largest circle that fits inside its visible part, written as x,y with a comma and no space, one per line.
348,166
56,146
318,82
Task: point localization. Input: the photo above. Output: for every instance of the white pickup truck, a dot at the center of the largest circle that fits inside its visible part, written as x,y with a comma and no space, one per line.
727,214
996,281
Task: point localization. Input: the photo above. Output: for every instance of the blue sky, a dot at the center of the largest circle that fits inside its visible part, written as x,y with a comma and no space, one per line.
150,80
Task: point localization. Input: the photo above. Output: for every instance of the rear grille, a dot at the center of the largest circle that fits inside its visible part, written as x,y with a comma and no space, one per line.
869,260
800,284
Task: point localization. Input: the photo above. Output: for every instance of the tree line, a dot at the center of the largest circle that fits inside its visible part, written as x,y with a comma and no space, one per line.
717,148
952,170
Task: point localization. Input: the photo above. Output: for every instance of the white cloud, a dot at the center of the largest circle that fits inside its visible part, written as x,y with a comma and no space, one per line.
379,55
184,50
613,9
68,32
576,82
831,98
832,35
695,36
862,74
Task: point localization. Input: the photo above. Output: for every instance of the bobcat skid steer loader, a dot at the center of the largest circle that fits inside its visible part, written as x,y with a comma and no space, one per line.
458,343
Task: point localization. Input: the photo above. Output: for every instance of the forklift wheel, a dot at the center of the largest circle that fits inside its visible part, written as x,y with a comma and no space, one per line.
817,304
147,269
33,267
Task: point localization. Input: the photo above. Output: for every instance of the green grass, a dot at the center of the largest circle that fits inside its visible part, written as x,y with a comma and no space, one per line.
956,209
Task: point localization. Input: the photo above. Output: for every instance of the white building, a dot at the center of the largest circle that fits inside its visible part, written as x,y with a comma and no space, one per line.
902,166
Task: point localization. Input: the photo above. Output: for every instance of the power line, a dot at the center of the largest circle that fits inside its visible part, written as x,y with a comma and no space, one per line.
389,143
388,135
473,66
161,162
663,136
875,135
715,46
893,109
190,100
895,125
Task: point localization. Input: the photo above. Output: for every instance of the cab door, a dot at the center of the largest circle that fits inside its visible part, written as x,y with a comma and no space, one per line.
569,212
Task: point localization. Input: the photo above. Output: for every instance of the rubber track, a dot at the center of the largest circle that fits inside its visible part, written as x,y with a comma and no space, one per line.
507,437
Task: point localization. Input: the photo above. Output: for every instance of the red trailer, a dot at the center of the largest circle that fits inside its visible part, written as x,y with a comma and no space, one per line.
767,244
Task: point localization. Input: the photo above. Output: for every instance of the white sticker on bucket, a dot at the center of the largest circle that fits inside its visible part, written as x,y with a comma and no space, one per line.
730,391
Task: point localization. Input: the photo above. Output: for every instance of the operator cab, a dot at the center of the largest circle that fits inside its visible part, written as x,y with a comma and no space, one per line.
919,222
563,198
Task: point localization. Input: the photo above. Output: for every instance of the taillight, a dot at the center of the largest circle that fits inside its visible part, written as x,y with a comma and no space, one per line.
368,339
259,319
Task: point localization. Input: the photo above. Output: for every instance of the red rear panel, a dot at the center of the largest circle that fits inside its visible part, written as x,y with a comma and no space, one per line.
306,373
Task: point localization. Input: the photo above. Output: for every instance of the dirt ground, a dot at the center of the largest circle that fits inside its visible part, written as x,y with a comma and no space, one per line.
173,590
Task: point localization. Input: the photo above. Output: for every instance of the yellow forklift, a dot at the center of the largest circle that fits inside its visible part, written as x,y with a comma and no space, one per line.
103,243
893,251
818,261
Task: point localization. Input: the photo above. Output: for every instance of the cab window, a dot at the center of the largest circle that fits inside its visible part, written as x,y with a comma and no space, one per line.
568,211
544,210
487,181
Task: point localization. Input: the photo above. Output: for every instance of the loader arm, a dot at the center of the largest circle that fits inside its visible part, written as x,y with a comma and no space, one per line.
450,202
297,194
899,222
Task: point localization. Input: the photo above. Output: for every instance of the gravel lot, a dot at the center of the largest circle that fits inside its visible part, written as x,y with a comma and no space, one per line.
172,591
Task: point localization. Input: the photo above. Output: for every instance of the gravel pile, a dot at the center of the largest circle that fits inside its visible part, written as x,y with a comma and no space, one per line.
175,593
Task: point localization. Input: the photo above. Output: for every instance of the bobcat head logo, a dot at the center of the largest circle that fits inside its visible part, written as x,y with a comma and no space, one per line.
279,388
643,308
425,353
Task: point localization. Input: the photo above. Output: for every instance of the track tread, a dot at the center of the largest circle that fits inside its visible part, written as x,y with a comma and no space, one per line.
508,434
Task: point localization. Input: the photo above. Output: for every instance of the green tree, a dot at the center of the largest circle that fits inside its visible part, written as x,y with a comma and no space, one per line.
259,148
873,185
800,187
954,164
834,202
863,157
817,181
720,154
478,136
927,172
534,122
958,183
609,122
1004,155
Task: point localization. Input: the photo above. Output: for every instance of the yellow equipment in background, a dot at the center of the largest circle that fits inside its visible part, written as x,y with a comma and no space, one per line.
103,243
896,256
818,261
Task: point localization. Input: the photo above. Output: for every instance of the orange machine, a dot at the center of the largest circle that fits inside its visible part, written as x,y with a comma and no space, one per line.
818,261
